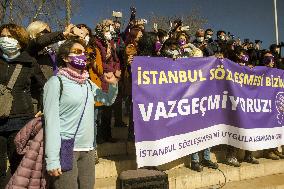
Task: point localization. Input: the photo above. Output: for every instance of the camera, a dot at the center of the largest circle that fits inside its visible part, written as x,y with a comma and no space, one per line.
117,14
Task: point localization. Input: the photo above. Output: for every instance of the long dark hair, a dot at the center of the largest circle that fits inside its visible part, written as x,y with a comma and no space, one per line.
130,39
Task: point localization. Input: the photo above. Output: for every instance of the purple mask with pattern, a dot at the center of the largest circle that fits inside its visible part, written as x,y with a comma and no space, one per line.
181,42
79,62
267,60
245,58
158,46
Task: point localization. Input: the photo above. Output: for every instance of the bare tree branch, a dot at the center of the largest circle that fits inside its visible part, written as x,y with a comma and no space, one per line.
194,20
11,11
3,11
39,9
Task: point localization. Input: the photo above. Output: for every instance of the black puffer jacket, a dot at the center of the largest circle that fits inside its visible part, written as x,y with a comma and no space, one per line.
30,73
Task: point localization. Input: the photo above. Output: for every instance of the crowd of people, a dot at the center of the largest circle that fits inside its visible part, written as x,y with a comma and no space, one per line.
80,77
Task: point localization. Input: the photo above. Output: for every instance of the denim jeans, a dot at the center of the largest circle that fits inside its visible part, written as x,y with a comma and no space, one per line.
206,155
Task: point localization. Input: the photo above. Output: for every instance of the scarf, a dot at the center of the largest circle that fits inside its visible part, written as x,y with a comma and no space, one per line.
73,75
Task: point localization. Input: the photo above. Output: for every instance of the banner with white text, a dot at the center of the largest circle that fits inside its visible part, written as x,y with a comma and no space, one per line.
184,106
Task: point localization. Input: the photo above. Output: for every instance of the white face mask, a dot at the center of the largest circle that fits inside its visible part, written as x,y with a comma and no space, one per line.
108,36
87,39
208,36
222,37
111,29
10,47
165,39
200,39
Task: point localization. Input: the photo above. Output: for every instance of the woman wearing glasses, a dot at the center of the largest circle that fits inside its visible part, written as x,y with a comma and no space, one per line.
69,113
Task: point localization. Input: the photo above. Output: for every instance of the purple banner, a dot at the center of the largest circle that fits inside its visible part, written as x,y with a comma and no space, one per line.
174,99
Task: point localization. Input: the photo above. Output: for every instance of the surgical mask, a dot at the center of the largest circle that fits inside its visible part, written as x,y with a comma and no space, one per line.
111,29
78,62
165,39
108,36
10,47
208,36
200,39
181,42
222,37
87,39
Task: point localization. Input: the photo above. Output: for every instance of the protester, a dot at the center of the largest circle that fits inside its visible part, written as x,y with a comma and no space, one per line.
43,45
69,113
203,44
197,166
131,50
119,46
162,36
105,56
209,35
110,65
15,61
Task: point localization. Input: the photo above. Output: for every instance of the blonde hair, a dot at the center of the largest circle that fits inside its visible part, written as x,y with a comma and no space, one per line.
35,28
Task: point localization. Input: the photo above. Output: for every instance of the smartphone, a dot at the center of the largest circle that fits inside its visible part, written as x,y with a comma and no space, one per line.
117,14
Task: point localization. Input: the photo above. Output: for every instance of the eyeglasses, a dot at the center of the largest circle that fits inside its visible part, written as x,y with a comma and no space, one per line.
77,51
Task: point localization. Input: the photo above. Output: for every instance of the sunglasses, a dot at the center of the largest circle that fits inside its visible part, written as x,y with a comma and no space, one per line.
77,51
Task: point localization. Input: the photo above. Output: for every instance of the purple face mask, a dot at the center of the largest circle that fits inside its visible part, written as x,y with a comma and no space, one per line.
158,46
267,60
181,42
79,62
245,58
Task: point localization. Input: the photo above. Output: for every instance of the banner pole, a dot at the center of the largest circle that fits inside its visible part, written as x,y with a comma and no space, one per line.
276,21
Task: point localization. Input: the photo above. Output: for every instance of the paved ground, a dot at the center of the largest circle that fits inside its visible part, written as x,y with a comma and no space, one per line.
267,182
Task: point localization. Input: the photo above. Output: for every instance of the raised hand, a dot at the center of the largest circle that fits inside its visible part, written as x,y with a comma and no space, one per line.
110,78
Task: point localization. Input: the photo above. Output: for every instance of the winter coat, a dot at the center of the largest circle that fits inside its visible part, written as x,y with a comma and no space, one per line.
31,172
110,64
95,68
30,75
